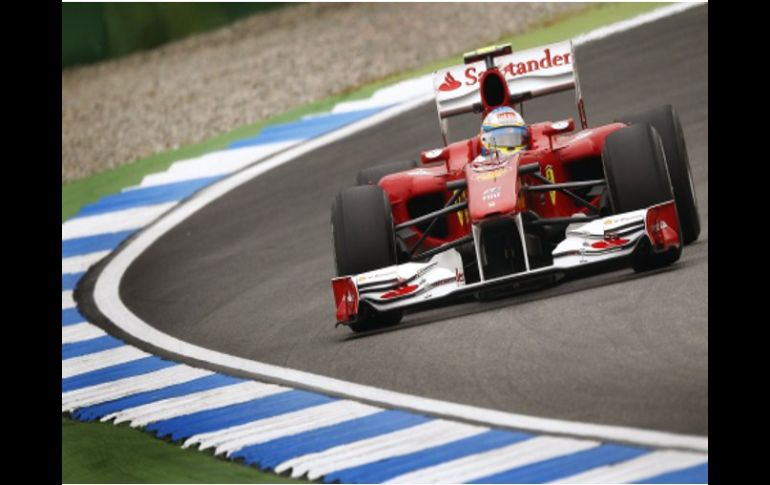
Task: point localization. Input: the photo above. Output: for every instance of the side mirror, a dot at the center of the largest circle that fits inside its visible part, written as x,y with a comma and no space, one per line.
564,126
437,155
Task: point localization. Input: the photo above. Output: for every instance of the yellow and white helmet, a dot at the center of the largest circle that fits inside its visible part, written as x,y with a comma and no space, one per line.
503,130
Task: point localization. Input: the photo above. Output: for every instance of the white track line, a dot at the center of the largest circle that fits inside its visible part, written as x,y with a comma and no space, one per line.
66,300
217,163
417,87
450,432
109,391
115,221
78,332
409,440
234,438
635,470
78,264
100,360
634,22
471,467
193,403
107,298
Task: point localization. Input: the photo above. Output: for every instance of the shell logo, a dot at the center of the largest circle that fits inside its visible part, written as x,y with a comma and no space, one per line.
462,216
549,174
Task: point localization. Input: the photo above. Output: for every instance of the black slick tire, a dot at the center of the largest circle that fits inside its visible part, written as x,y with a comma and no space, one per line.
364,240
666,122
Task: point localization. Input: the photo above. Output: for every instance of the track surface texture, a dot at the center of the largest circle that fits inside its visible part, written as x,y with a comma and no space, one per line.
250,274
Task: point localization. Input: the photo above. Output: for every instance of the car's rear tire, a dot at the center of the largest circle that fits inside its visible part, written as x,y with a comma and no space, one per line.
372,175
665,120
364,240
637,178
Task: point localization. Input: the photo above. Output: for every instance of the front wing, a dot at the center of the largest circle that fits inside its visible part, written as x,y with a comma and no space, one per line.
415,285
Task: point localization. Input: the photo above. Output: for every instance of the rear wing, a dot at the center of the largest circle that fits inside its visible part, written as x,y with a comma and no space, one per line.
529,74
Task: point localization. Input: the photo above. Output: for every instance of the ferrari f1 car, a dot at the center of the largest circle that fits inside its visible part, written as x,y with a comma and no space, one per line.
412,235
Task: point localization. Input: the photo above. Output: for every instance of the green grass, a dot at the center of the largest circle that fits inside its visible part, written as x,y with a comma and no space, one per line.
104,453
77,193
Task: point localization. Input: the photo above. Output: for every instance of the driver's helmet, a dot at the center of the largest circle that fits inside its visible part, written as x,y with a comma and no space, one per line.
503,130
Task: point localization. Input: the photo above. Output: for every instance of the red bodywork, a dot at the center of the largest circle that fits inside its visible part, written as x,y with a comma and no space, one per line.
553,149
499,191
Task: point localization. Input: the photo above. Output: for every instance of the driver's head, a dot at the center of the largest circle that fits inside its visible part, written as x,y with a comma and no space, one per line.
503,130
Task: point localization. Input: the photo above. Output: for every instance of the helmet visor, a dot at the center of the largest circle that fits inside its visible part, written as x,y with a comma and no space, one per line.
507,137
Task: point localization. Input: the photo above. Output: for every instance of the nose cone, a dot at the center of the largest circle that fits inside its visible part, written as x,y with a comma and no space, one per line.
492,190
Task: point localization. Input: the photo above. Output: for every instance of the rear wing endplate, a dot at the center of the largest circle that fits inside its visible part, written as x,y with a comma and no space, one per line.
529,74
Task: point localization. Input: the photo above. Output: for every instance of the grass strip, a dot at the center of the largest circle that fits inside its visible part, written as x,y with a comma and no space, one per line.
103,453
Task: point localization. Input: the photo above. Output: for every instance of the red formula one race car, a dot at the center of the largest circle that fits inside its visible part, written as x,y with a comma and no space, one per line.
516,207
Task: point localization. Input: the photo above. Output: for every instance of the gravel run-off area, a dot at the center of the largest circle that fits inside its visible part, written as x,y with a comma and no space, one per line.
122,110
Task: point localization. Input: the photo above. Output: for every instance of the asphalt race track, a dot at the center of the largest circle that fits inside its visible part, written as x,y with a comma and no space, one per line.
250,274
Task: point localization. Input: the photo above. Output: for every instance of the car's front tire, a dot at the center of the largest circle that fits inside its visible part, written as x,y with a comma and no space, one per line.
364,240
665,120
637,178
